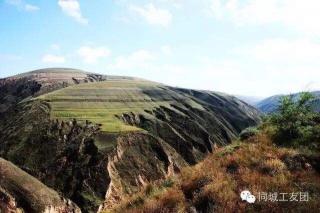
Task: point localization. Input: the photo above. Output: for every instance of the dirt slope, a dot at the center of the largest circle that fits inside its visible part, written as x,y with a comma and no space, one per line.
20,191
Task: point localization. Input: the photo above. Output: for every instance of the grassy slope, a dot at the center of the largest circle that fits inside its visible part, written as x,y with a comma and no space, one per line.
100,102
215,184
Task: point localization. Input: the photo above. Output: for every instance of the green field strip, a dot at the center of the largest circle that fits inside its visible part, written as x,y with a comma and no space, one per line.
100,102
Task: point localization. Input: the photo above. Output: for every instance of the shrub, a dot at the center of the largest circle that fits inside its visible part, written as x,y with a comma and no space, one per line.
295,123
167,183
248,132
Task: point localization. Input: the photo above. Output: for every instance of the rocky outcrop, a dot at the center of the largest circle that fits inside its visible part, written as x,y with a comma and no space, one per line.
60,154
13,91
139,159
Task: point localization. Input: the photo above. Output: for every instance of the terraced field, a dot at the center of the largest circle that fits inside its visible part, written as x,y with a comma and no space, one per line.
148,131
100,102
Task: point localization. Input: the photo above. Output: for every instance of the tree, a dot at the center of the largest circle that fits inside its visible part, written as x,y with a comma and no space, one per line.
295,122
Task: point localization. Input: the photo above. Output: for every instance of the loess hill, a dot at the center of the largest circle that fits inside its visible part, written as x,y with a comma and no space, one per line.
95,139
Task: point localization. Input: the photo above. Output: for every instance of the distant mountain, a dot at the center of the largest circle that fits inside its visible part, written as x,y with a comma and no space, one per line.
252,100
271,104
95,139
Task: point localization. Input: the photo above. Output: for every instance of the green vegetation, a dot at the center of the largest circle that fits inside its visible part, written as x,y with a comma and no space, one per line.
100,102
295,123
248,132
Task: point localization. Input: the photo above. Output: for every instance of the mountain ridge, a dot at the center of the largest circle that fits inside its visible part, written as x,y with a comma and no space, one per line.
94,138
270,104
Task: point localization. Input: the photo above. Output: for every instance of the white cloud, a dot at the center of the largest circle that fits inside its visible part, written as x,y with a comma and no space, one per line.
279,65
236,77
22,5
167,50
153,15
248,72
178,4
72,9
284,51
93,54
302,15
31,8
49,58
137,59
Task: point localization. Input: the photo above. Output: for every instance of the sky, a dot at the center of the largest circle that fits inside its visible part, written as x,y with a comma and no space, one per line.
243,47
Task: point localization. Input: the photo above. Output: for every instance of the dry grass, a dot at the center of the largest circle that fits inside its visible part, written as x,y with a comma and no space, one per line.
215,183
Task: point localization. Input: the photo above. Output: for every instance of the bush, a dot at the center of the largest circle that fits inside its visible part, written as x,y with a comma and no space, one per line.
295,123
248,133
167,183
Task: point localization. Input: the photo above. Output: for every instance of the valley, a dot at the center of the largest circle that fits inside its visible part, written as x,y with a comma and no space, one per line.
95,139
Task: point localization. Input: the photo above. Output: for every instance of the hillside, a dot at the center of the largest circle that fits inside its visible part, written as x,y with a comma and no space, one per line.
96,138
281,179
35,83
270,104
20,191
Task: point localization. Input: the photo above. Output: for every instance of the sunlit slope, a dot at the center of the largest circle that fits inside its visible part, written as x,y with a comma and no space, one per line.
21,192
102,102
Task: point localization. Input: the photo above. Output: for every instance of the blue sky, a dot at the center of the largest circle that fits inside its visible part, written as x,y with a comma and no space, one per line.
245,47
